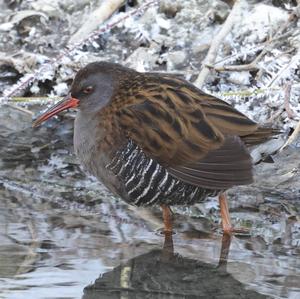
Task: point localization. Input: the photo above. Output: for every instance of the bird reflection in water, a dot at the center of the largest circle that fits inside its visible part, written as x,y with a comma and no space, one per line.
161,273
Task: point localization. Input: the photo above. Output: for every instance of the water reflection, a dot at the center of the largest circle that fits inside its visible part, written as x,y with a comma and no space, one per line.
165,274
49,250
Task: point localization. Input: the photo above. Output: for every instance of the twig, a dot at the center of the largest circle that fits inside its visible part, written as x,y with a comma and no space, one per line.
34,100
98,16
26,80
252,66
235,68
29,99
247,93
21,109
293,137
292,17
24,213
213,50
261,71
293,61
238,55
251,50
32,253
287,95
274,116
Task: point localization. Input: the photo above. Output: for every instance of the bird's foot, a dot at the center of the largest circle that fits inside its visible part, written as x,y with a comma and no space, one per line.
167,218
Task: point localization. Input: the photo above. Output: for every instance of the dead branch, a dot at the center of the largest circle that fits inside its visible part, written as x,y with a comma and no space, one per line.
98,16
293,137
248,92
293,61
213,50
21,109
235,68
274,116
287,95
269,45
238,55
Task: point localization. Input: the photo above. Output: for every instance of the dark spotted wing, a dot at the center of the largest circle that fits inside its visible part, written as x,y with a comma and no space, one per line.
178,125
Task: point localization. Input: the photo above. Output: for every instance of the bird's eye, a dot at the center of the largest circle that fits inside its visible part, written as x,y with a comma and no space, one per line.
88,89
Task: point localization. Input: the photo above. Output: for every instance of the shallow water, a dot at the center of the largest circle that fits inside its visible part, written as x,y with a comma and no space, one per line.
62,235
60,252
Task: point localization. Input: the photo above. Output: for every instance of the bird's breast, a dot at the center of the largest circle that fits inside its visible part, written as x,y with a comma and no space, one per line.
88,138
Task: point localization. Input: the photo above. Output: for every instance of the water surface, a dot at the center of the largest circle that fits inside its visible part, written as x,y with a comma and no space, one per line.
63,235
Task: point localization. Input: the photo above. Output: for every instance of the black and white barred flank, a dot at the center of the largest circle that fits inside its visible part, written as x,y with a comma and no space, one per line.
148,183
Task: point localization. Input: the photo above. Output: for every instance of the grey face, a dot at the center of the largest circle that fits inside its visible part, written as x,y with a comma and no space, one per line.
93,89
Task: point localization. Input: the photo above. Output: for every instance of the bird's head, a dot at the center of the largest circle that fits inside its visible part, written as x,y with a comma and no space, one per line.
91,90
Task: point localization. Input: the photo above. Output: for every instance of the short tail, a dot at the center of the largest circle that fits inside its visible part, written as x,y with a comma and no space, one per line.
261,135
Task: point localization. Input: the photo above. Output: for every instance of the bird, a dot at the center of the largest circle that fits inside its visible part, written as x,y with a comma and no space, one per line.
156,139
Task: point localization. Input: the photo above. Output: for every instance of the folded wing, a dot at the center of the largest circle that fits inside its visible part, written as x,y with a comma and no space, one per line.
194,135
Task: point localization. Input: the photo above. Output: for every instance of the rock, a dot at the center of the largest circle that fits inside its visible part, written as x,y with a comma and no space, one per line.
202,40
240,78
218,13
170,8
51,8
141,60
176,60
